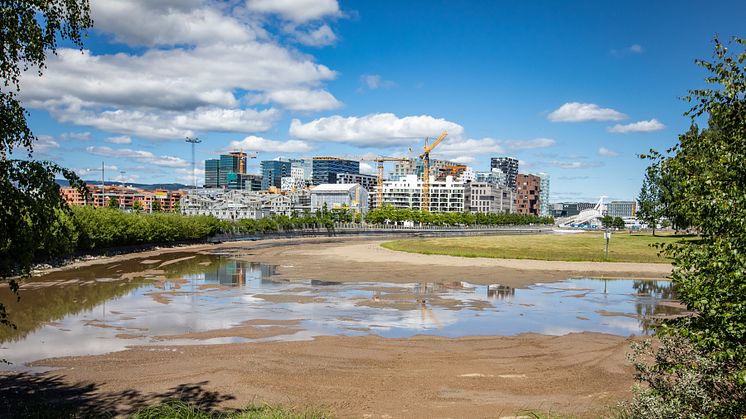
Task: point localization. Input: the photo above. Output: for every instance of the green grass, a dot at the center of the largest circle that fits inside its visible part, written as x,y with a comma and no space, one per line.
623,247
182,410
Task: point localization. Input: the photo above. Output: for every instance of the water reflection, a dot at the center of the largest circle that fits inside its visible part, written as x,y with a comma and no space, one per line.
106,308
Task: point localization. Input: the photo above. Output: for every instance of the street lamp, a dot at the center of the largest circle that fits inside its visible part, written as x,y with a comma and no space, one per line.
103,196
193,141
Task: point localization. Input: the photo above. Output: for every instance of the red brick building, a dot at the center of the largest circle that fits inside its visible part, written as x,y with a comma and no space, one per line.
527,194
125,196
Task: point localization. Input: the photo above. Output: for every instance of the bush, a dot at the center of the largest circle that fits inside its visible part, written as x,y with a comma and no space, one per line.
682,381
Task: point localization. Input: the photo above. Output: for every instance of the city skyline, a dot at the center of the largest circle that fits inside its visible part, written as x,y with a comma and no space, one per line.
576,91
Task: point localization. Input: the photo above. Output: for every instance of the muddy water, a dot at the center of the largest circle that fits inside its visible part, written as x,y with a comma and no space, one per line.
178,300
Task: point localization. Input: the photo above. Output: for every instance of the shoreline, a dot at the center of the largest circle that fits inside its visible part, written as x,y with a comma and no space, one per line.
363,259
579,374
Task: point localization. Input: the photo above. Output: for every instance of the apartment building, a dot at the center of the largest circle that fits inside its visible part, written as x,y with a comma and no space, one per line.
482,197
445,196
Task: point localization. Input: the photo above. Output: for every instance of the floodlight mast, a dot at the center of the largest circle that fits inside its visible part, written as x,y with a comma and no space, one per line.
193,141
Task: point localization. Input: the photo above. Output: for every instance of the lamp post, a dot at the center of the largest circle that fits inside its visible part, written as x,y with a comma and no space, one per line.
193,141
103,192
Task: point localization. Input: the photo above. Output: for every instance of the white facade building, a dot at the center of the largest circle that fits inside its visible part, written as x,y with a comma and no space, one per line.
238,204
339,195
445,196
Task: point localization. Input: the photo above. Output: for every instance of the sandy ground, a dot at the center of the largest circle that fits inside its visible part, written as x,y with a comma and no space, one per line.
578,374
575,374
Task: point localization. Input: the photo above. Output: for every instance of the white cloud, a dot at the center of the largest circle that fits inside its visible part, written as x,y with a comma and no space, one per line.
641,126
121,139
169,22
300,99
530,144
79,136
159,124
367,168
572,164
45,144
375,81
296,10
374,130
603,151
201,59
463,148
253,143
137,155
319,37
579,112
632,49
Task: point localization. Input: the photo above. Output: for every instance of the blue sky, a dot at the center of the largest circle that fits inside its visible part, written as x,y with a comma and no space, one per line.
575,89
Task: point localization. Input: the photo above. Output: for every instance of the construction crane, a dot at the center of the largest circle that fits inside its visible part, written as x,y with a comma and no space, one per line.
379,192
425,156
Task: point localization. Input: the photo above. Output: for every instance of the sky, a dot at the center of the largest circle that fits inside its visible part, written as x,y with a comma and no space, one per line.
574,89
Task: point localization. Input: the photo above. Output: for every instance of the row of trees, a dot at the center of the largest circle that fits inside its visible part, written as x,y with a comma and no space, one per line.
389,214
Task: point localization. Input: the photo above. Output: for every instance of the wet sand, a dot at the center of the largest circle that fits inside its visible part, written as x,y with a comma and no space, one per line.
363,259
576,374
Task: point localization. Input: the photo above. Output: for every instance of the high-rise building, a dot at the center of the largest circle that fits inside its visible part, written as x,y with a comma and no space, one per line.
212,173
507,165
234,162
217,170
545,209
527,200
326,169
273,171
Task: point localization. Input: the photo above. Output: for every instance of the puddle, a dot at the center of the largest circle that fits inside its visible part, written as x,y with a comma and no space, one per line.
77,312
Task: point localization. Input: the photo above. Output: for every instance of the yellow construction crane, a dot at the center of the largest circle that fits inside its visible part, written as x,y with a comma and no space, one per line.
425,156
379,192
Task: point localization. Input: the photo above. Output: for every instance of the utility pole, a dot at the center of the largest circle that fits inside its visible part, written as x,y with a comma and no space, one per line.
193,141
103,187
121,194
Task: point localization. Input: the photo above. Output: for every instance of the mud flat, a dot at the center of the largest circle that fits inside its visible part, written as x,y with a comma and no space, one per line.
576,374
364,259
366,375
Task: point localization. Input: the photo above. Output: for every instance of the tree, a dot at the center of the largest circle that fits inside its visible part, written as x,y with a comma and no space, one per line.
156,206
137,206
709,274
29,196
618,223
649,201
607,221
113,202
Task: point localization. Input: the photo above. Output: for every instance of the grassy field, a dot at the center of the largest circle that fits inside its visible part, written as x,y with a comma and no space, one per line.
623,247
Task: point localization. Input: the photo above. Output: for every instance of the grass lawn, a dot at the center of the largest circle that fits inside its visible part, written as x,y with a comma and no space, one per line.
623,247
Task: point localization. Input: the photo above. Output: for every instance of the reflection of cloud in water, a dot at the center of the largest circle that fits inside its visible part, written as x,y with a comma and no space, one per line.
502,310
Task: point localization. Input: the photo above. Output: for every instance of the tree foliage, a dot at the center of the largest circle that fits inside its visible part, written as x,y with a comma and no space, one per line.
710,273
29,197
389,214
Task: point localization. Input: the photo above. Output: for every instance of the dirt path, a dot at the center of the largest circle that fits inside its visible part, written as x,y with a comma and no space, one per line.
576,374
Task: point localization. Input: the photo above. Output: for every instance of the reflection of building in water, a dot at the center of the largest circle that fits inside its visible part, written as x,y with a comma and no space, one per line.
237,272
500,291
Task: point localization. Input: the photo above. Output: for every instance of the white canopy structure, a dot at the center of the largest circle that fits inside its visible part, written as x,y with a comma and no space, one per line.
588,217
